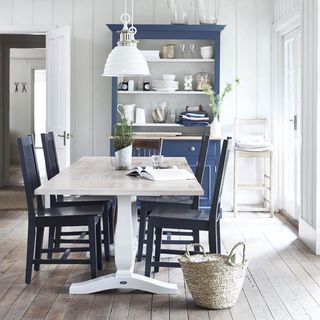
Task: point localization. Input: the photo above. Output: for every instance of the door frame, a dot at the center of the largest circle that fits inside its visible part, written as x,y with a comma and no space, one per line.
279,30
4,90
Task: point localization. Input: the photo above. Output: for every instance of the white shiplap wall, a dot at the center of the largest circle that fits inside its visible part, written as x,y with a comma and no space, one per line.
246,52
283,8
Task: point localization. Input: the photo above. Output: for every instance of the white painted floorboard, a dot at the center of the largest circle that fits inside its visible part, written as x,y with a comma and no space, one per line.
283,280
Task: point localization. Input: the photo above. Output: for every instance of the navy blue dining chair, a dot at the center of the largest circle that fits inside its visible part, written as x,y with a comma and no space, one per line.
183,218
40,218
56,235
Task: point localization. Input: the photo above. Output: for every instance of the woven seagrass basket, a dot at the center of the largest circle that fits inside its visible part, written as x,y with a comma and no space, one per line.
214,280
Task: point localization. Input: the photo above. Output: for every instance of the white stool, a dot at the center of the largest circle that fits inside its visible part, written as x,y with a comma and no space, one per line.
267,184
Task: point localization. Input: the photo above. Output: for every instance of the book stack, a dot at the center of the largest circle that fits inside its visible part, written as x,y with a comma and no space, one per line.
194,119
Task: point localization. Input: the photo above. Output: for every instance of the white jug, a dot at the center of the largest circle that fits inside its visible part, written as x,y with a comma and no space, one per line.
140,116
127,110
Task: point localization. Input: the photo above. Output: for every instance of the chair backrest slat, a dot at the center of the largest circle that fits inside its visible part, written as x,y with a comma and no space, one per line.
30,172
50,154
51,160
201,166
223,162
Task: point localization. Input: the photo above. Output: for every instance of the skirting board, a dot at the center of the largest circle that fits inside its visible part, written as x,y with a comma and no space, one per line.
308,235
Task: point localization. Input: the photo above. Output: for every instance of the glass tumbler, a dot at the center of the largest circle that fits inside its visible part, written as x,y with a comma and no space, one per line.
208,11
179,11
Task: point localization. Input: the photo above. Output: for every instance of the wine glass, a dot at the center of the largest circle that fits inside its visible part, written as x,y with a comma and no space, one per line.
192,50
181,50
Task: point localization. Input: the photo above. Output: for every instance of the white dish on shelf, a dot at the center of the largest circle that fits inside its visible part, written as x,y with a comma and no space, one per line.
158,134
151,54
165,82
169,77
165,89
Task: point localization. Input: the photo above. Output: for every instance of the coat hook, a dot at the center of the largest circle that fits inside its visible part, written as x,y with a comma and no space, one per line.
24,88
17,86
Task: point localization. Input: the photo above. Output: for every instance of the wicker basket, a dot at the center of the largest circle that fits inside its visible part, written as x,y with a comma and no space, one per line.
214,280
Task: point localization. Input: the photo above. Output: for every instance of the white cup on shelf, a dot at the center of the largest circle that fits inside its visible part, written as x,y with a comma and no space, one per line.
140,116
206,52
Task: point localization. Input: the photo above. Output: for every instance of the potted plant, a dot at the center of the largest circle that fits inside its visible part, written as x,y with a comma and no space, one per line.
215,104
122,143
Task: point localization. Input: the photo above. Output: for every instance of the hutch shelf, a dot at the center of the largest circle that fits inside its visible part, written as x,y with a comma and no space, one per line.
154,37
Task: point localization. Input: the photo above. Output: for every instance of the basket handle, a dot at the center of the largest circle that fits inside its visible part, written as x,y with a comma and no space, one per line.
194,245
243,253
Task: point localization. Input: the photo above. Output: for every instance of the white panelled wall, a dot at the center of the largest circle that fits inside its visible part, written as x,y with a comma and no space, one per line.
246,52
283,8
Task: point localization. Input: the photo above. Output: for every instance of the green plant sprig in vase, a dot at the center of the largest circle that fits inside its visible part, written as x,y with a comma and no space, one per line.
122,143
123,134
216,100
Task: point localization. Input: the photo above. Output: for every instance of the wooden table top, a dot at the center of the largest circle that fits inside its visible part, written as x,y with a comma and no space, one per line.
96,176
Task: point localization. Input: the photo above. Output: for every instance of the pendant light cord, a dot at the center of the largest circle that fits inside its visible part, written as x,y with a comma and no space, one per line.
132,13
133,29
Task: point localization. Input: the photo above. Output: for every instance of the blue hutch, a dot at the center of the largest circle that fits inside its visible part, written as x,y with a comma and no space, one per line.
154,36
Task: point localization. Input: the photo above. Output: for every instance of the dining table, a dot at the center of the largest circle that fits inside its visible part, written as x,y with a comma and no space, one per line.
97,176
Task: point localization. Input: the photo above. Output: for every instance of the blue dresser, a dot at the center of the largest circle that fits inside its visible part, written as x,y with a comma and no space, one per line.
153,37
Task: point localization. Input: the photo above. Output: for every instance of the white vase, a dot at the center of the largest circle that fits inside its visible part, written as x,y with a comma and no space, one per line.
215,128
123,158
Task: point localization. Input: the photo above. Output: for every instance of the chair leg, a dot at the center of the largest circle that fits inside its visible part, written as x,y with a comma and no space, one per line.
93,247
106,234
30,251
39,242
149,248
196,239
112,212
99,258
218,237
213,239
57,237
142,229
158,247
50,241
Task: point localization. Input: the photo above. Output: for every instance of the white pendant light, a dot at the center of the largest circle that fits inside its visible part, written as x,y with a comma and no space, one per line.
126,59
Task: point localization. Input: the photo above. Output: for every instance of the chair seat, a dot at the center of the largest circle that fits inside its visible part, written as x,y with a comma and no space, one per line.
174,212
76,211
167,199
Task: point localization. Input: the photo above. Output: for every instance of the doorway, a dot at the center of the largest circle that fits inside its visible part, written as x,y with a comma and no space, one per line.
291,124
57,44
27,104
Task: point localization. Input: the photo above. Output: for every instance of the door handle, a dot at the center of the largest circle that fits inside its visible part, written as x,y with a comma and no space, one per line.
66,136
295,122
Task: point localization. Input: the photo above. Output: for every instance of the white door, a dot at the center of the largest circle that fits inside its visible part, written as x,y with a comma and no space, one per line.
292,124
58,91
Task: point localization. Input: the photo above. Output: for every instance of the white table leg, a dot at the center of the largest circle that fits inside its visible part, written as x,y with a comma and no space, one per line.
125,252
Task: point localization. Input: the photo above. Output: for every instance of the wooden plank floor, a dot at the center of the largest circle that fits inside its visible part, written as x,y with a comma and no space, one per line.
283,280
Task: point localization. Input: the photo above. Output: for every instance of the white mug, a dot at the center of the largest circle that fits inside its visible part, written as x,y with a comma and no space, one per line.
140,116
127,110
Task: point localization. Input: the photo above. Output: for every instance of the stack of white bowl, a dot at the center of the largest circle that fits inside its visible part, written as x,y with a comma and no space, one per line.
151,55
167,84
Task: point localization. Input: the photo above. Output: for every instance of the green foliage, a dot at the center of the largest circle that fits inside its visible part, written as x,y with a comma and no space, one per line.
216,100
123,134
